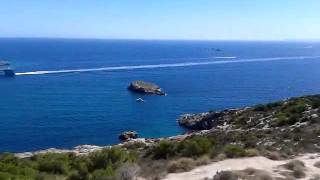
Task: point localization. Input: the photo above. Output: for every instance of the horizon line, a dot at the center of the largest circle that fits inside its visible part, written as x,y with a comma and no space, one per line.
164,39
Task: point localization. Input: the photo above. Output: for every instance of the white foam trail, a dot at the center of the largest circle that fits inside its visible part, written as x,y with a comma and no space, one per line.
167,65
226,57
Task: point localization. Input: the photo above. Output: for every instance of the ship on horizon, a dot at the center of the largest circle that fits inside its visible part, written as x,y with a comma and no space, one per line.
6,70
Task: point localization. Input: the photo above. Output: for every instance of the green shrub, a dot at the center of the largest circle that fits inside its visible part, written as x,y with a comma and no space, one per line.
232,151
260,107
15,167
114,157
5,176
97,165
53,163
195,147
163,150
266,107
103,174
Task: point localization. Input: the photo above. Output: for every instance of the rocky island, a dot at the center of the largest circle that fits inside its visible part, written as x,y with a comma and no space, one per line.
145,88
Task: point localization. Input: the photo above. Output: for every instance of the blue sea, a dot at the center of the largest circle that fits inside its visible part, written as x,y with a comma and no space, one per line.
70,91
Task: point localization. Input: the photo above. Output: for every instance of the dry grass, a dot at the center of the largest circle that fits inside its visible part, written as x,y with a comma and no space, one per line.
273,155
248,174
317,164
181,165
254,174
252,152
153,169
297,167
204,160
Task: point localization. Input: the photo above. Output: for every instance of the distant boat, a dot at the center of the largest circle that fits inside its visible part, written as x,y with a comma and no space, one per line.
5,69
140,100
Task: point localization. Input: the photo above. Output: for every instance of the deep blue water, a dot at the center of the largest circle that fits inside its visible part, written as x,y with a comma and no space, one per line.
65,110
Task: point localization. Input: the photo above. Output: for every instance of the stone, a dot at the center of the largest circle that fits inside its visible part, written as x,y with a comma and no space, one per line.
128,135
145,88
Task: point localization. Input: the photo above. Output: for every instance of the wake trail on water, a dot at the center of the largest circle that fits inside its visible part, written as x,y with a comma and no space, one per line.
154,66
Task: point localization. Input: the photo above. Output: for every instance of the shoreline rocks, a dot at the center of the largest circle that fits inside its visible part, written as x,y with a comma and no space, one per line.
128,135
145,88
205,121
78,150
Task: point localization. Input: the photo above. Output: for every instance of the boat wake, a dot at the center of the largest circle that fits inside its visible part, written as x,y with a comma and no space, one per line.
185,64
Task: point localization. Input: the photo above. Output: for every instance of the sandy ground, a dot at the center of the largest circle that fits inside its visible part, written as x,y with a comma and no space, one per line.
259,162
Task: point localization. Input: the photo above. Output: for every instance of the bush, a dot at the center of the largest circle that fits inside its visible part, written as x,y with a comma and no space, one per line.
269,106
273,155
225,175
195,147
294,163
203,160
232,151
97,165
181,165
101,174
252,152
297,167
113,157
251,173
53,163
128,172
163,150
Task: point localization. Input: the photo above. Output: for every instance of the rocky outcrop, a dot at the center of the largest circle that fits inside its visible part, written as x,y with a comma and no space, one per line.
145,88
78,150
291,112
128,135
204,121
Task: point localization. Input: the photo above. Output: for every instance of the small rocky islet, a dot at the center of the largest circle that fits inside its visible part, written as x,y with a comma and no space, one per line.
145,88
128,135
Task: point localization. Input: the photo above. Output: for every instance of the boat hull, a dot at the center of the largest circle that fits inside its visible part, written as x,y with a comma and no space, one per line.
7,73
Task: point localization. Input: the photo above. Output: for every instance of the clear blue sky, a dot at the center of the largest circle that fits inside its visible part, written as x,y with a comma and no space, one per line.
162,19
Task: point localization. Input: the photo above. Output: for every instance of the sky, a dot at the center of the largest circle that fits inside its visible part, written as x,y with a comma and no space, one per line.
162,19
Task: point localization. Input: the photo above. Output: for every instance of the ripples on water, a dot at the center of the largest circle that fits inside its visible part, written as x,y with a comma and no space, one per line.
76,91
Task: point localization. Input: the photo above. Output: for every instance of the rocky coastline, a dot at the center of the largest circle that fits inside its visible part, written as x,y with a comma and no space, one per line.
86,148
261,119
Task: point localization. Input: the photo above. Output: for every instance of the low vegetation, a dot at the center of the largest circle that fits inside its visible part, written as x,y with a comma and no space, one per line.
297,167
98,165
317,164
250,174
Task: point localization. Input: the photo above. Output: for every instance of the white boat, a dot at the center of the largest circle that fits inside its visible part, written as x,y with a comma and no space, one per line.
5,69
140,100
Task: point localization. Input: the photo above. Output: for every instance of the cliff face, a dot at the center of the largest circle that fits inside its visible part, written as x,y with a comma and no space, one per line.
145,88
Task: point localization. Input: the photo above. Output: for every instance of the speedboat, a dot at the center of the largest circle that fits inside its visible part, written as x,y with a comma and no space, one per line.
140,100
5,69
